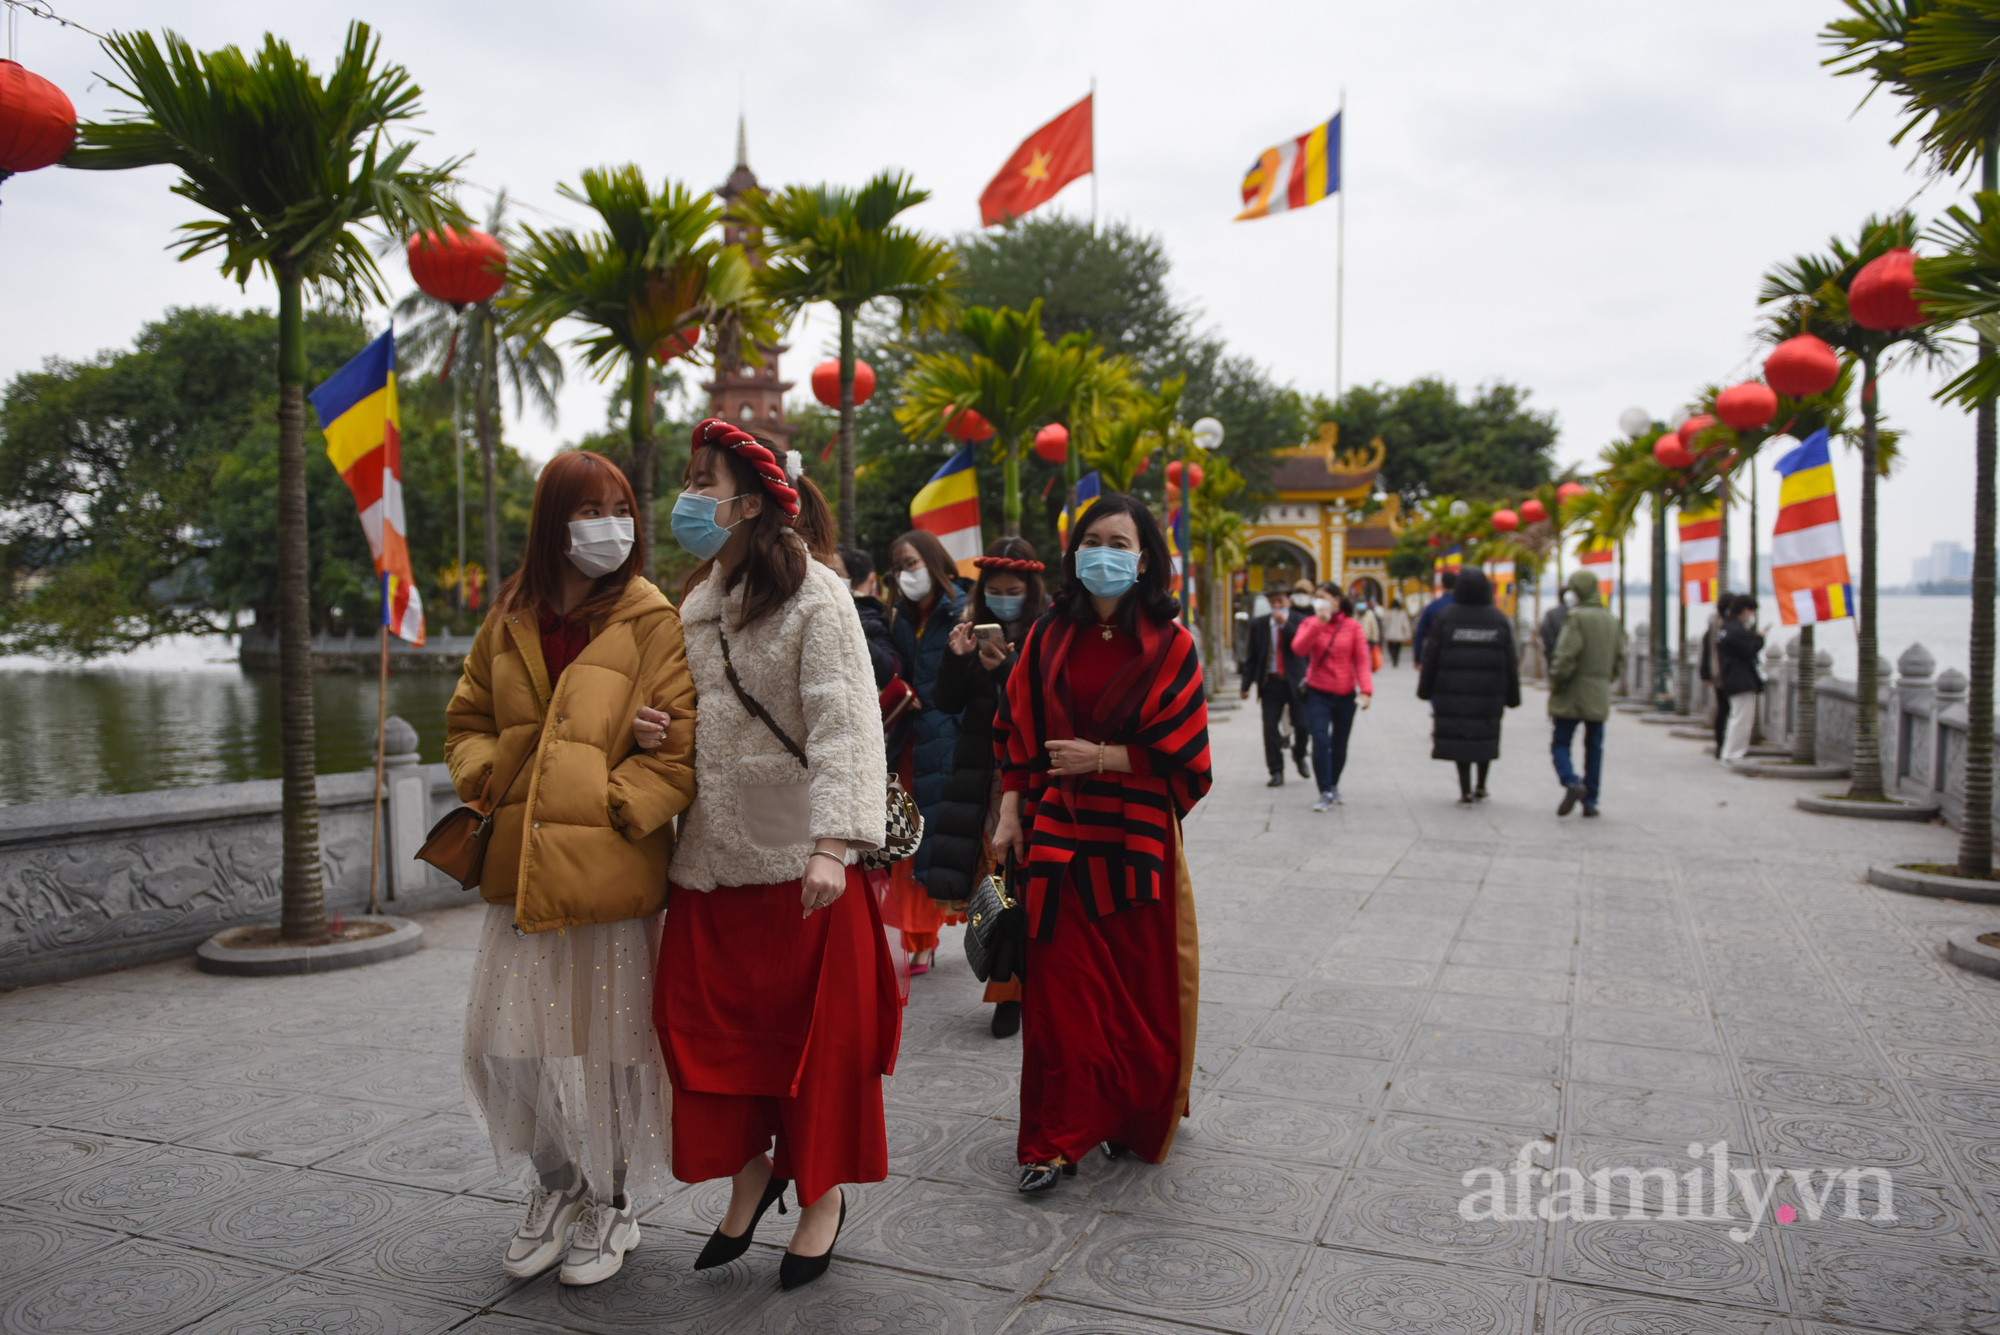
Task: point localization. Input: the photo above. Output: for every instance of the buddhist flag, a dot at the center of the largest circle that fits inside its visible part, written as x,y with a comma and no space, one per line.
1808,554
1600,557
948,506
1502,575
1088,488
1046,161
357,411
1701,551
1294,174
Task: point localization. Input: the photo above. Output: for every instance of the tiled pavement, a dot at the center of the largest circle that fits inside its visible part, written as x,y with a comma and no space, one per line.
1393,994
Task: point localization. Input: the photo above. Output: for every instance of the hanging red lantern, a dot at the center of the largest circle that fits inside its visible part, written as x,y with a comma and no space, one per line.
462,268
1881,295
678,345
826,382
37,122
967,425
1569,491
1801,367
1505,521
1052,443
1533,511
1690,430
1174,474
1670,453
1748,406
1434,540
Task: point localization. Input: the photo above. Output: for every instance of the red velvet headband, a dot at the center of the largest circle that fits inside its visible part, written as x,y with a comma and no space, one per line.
1008,563
777,479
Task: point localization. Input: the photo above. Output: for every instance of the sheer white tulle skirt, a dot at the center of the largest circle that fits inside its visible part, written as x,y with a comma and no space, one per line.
562,1065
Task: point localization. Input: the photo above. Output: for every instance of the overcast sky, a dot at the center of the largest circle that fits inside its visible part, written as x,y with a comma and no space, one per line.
1576,197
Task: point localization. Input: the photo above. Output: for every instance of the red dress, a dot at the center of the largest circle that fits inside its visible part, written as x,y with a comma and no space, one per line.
777,1026
1108,1008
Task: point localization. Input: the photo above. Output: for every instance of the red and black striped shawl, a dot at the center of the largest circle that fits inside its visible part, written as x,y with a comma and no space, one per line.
1117,830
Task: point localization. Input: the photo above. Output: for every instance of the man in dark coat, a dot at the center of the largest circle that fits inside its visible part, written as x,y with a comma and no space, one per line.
1471,677
1737,646
1279,676
1448,581
874,613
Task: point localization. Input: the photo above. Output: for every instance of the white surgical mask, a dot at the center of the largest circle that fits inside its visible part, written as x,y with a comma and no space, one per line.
1322,605
916,584
1301,601
599,546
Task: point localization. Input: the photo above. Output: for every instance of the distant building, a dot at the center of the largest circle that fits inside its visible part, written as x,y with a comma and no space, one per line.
1315,530
750,396
1947,564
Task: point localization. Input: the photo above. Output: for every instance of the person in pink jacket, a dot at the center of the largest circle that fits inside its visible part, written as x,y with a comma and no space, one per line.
1337,678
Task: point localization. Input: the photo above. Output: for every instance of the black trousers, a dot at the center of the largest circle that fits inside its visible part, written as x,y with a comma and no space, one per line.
1276,694
1465,775
1721,718
1395,648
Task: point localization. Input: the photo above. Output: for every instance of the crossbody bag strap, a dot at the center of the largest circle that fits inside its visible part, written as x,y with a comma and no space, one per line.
499,792
757,711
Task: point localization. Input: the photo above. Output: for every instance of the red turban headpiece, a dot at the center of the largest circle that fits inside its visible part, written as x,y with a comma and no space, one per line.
777,477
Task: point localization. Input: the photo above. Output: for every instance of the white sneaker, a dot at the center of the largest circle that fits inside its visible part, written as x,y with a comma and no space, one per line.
540,1241
1335,798
1326,800
603,1236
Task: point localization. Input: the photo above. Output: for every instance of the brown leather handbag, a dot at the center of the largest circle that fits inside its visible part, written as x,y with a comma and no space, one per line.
456,845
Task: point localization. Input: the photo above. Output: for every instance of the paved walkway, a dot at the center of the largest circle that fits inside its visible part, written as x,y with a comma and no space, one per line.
1393,994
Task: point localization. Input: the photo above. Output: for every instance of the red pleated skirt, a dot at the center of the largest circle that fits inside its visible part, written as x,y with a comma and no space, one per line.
1108,1028
777,1028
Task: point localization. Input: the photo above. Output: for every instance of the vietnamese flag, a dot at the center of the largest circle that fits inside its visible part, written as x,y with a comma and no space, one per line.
1046,161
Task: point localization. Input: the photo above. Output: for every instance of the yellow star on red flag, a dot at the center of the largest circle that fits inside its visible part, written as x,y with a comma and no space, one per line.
1038,167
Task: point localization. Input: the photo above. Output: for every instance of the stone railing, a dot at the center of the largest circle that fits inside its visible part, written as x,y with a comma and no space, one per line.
258,649
101,882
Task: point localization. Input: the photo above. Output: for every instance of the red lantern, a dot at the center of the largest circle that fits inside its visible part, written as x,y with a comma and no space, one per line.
968,425
1671,453
1533,511
1569,491
37,122
1690,430
1801,367
1505,521
1174,474
826,382
1052,443
463,268
1747,406
678,345
1142,465
1880,295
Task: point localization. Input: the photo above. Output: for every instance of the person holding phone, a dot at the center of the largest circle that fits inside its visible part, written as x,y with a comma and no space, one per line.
1006,600
1737,648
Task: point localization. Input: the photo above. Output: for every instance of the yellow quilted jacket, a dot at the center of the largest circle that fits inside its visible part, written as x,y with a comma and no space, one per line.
585,831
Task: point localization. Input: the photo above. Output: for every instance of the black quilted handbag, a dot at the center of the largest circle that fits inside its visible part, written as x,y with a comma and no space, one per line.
996,930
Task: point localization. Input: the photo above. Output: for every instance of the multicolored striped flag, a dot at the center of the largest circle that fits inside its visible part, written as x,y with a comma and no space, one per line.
1502,575
1701,552
1600,557
1294,174
948,505
1088,488
357,412
1808,554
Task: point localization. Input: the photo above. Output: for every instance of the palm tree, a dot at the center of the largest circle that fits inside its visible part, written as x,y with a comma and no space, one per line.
1808,294
1943,61
843,247
656,269
481,358
294,166
1015,378
1124,438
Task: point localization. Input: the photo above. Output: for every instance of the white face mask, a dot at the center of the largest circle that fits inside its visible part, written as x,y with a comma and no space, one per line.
1301,601
916,584
1322,605
599,546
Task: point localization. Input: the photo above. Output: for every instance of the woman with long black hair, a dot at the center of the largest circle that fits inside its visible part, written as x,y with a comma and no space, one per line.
1103,740
1472,677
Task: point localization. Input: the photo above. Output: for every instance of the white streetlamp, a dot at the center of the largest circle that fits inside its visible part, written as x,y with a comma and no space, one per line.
1633,421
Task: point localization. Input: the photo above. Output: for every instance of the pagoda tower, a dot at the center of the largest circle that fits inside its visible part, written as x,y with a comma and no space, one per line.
750,396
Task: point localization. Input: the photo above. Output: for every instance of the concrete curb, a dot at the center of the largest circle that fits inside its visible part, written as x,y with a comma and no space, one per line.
1693,734
1896,808
215,957
1781,769
1935,885
1964,948
1668,720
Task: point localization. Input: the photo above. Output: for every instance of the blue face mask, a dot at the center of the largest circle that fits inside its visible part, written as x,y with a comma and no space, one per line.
695,528
1107,571
1006,606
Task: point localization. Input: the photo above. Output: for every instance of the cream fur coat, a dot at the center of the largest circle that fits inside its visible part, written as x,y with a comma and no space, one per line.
756,811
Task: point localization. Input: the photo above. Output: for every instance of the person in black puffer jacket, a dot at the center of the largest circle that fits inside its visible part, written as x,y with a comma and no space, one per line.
859,567
1472,677
970,680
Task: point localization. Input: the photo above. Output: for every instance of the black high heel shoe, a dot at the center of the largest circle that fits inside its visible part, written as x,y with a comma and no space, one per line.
1041,1176
795,1270
721,1249
1114,1150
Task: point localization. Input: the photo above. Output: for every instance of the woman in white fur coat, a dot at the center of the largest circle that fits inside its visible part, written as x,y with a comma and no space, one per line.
777,1005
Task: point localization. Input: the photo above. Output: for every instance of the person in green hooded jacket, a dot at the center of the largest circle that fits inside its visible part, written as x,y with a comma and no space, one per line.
1589,655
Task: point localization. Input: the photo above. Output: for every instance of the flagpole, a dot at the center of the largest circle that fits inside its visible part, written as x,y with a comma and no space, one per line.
381,723
1339,251
1093,153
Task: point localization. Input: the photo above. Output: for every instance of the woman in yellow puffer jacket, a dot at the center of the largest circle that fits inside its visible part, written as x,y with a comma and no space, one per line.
561,1062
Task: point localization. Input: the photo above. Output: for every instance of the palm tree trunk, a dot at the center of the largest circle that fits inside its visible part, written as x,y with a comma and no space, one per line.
1805,702
1867,782
1975,833
641,385
1010,476
1662,663
485,392
847,520
303,902
1722,543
